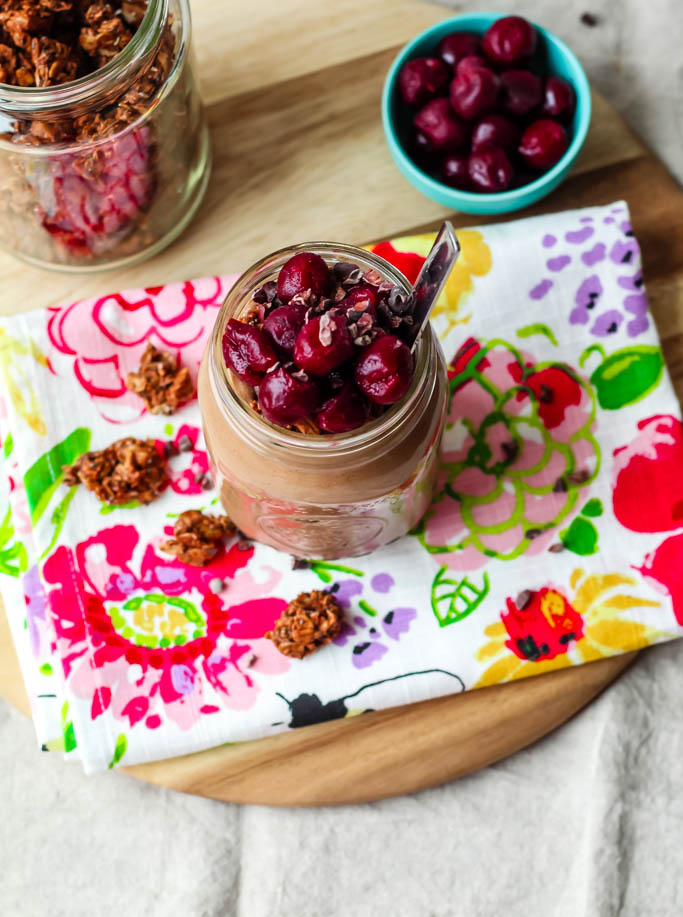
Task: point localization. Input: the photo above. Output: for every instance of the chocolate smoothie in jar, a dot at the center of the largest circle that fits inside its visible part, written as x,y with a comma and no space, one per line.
322,425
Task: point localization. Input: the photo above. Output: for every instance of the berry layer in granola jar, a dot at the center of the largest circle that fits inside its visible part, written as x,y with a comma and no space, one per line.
104,150
322,495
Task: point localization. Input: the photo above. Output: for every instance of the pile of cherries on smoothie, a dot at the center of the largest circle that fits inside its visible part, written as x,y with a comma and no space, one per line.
323,345
482,119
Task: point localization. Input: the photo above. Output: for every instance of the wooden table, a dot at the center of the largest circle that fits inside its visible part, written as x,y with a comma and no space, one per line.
292,95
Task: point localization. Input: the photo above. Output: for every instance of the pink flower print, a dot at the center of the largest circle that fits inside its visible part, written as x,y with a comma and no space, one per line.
149,640
188,469
518,445
102,339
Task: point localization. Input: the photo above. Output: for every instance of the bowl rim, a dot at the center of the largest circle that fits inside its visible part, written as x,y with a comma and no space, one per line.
583,104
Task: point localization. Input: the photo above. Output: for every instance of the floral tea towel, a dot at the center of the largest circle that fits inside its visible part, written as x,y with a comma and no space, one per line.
555,536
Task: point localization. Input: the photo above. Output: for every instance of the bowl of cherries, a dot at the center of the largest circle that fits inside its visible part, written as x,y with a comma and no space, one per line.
486,114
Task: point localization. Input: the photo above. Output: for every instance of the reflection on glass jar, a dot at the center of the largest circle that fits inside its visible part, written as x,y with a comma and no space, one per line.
322,496
106,168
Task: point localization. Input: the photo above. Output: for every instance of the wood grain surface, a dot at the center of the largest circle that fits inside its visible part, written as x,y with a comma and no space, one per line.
293,101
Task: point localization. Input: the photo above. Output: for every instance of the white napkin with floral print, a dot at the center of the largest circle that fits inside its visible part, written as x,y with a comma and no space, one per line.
539,551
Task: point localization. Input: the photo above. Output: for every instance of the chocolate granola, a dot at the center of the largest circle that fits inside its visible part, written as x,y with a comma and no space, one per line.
197,537
160,382
95,200
129,469
309,622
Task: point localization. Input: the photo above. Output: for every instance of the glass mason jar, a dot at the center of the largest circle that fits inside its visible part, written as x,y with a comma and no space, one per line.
329,495
109,168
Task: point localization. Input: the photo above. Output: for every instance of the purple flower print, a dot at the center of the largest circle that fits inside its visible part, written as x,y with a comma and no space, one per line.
539,291
345,591
398,621
637,305
595,254
182,678
607,323
633,284
382,582
586,297
578,236
612,239
624,252
364,654
363,630
556,264
35,606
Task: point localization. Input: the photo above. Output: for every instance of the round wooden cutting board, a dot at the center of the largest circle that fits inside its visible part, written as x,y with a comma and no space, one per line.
299,154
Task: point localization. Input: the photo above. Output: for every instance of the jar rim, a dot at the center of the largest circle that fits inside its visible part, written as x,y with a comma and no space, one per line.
255,427
44,102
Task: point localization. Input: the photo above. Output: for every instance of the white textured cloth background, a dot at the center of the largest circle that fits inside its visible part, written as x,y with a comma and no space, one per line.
586,823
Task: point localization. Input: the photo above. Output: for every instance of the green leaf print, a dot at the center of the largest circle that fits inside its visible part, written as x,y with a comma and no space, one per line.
68,728
44,476
592,508
13,556
455,599
8,445
581,537
538,328
58,519
119,750
627,376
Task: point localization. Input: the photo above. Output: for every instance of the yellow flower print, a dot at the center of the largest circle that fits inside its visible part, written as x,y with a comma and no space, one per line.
544,630
474,261
17,383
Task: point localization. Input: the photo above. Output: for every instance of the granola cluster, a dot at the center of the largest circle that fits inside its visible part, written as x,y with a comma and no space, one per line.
48,42
309,622
160,382
129,469
197,537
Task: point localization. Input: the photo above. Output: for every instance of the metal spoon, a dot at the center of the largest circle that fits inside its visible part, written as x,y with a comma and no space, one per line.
431,279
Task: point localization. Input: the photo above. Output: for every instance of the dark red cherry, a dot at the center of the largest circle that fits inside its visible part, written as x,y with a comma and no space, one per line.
521,91
543,144
323,344
283,325
490,170
496,130
509,40
346,410
442,128
285,398
305,271
384,370
247,351
454,172
423,153
452,48
421,79
471,62
474,91
559,98
361,298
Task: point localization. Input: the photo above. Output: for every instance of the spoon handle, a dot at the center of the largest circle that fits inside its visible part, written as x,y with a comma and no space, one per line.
431,279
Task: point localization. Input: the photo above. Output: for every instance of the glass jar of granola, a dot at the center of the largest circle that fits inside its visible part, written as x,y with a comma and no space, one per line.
104,150
321,495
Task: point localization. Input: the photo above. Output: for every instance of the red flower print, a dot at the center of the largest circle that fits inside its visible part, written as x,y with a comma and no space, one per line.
648,477
665,564
408,263
555,390
544,627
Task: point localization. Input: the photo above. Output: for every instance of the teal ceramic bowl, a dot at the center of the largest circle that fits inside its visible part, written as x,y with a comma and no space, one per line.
555,57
